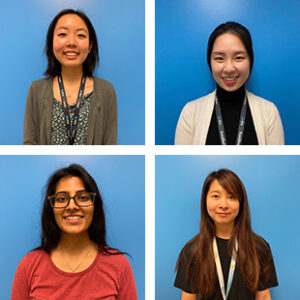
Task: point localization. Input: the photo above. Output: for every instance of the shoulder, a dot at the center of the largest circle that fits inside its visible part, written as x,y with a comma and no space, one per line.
43,82
103,84
188,248
262,245
200,102
40,86
115,260
259,101
33,258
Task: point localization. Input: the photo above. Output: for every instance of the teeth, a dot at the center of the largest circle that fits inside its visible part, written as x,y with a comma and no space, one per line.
73,217
71,53
230,79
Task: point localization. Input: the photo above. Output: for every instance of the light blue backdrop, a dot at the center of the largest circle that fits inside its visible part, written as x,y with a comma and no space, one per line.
272,184
182,31
121,181
121,37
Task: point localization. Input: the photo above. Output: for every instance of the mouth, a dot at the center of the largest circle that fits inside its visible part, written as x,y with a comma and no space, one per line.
73,219
230,80
223,214
71,54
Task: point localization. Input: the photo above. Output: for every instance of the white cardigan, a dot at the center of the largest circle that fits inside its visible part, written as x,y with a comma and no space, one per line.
194,121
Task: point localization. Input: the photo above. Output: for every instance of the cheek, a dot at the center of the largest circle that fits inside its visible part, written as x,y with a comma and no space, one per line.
215,70
57,46
236,208
211,207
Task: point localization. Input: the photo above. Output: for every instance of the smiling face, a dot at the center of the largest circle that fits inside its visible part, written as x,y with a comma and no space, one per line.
230,63
72,219
222,207
71,44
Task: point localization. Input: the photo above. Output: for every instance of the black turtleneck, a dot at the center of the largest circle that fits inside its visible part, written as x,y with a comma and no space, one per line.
231,105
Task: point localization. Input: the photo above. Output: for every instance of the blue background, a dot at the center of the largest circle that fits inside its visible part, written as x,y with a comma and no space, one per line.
120,28
121,181
182,32
272,184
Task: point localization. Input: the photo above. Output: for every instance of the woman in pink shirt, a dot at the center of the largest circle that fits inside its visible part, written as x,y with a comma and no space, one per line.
74,260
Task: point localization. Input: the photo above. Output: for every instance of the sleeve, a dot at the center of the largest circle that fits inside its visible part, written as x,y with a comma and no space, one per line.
110,135
184,129
272,279
127,289
29,126
275,134
20,288
181,281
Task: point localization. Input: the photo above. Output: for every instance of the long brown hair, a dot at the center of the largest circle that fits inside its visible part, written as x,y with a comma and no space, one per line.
253,250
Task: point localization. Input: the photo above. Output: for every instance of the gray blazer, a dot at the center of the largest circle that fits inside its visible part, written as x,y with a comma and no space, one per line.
103,116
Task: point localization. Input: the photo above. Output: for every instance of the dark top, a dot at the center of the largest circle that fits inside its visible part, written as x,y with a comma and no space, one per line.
231,105
238,289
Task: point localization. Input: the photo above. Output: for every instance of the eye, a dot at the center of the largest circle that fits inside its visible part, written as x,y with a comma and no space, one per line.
84,197
82,35
218,58
240,58
215,196
61,198
62,34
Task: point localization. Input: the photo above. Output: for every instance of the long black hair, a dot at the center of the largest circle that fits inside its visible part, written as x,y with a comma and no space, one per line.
235,28
89,65
50,231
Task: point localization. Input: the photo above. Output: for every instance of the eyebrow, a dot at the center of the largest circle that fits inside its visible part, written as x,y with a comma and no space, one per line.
66,28
69,192
235,53
214,191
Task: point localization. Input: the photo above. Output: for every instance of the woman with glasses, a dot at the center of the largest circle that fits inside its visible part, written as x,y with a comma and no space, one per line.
230,115
71,106
226,260
73,260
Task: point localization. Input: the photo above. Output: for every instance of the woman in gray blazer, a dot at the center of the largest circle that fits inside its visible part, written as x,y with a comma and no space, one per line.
230,115
71,106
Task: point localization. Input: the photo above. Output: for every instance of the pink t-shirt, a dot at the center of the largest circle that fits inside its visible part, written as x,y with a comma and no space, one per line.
109,277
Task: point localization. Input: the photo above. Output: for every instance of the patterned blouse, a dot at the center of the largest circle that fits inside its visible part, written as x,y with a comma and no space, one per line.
58,124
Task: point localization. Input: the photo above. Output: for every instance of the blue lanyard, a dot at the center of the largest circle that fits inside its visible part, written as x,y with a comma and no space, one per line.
219,269
220,122
71,128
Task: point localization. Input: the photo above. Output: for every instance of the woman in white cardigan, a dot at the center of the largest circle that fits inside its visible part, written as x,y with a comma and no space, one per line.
230,115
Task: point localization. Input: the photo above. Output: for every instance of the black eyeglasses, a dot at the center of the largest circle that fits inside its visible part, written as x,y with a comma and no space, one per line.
62,199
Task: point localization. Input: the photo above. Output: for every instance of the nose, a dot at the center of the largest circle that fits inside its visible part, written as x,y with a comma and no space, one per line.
229,66
223,203
71,40
72,204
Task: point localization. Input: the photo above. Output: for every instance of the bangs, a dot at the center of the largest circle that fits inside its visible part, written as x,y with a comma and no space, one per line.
232,185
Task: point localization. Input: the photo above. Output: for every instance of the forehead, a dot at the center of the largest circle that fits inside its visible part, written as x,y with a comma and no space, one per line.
71,21
228,42
70,184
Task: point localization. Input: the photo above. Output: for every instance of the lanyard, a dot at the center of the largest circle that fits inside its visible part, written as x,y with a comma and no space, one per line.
220,122
71,128
219,269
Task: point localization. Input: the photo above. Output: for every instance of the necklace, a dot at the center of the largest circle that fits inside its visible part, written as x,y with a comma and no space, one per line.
73,270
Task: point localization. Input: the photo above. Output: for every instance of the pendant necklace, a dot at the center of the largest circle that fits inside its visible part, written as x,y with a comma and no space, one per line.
73,270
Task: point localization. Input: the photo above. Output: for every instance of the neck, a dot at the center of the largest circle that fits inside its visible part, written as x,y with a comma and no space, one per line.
73,244
71,75
234,96
224,231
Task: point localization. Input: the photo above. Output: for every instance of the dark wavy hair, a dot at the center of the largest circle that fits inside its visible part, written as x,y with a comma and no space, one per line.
92,60
253,250
50,231
235,28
